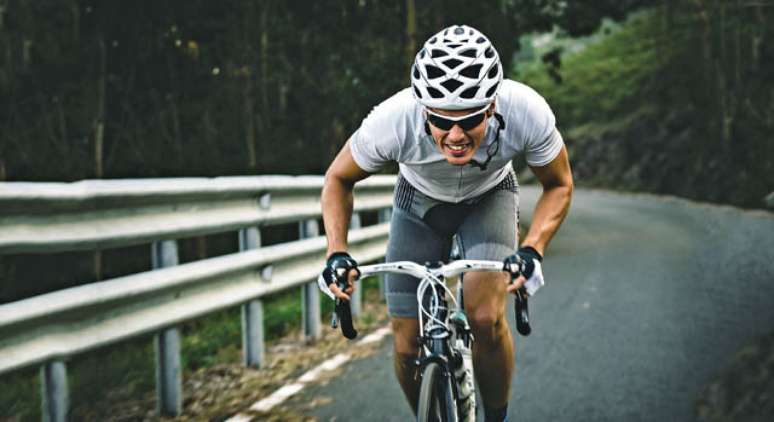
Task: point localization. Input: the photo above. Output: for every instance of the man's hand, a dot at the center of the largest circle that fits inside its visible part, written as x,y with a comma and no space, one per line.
526,263
340,269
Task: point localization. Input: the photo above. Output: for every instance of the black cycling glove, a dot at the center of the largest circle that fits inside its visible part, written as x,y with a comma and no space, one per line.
527,262
336,269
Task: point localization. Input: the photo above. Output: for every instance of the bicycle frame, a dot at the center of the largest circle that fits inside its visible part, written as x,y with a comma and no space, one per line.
441,327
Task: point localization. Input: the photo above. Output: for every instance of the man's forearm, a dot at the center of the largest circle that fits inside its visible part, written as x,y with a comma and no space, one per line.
550,211
336,201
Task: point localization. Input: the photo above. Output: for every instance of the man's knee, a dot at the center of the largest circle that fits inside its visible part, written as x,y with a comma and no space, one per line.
487,323
406,331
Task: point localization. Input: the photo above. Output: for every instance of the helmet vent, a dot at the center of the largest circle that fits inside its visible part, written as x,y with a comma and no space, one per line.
434,92
471,71
451,84
452,63
491,90
489,53
469,93
417,93
492,72
454,45
479,40
459,31
416,73
432,40
434,53
471,52
433,72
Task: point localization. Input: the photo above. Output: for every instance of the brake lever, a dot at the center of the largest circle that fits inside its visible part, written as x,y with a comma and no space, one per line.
521,309
520,302
343,314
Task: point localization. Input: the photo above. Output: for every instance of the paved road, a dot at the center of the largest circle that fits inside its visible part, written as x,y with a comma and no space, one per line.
647,299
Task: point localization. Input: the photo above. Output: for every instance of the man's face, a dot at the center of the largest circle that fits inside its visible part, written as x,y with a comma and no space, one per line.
459,142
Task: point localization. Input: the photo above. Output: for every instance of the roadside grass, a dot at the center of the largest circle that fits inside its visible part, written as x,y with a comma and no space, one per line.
126,371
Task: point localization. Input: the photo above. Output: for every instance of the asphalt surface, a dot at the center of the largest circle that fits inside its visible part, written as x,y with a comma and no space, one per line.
646,300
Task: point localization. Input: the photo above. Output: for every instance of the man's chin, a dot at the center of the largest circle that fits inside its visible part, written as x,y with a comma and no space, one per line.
458,161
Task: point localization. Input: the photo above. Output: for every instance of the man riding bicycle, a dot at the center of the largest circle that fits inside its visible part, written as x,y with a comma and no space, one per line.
453,134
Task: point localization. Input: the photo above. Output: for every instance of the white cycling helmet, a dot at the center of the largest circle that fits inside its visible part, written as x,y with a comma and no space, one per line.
458,68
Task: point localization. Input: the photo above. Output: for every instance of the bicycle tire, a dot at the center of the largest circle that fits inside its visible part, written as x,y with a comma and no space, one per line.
436,397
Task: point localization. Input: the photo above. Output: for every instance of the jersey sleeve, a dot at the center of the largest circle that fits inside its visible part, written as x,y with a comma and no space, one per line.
375,143
543,140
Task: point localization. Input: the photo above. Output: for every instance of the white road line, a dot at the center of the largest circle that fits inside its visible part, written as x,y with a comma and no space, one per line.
277,397
328,365
377,335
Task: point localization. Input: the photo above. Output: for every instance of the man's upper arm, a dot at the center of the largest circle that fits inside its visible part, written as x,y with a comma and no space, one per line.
345,168
556,173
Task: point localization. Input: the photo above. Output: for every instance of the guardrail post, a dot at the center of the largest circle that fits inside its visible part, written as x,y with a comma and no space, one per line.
253,348
310,294
167,344
356,304
385,214
55,398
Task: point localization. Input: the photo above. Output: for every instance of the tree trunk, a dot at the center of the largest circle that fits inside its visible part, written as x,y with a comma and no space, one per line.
201,247
99,135
176,137
99,121
252,158
411,33
261,116
249,95
75,12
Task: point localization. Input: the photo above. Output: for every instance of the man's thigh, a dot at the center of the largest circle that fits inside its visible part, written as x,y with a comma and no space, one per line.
489,232
411,239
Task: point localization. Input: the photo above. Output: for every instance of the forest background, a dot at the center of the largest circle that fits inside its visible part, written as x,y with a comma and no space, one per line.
670,97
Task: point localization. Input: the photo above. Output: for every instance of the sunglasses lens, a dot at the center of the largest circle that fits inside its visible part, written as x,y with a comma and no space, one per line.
440,122
471,122
466,124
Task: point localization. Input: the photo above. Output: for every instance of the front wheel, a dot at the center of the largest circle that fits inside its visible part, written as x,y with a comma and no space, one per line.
436,398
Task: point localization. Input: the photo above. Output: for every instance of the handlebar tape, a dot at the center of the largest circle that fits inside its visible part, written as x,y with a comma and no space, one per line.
344,315
521,308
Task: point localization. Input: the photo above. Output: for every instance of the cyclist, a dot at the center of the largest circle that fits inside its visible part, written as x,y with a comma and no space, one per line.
453,134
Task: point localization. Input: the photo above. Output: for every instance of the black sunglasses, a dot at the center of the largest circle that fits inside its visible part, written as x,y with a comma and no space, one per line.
465,124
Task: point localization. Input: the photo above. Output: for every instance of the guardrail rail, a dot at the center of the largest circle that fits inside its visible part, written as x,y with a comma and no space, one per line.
98,214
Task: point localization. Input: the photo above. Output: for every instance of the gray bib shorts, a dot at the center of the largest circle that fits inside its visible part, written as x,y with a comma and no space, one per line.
422,228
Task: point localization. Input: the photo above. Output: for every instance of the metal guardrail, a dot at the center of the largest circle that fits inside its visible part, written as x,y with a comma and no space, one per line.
97,214
53,217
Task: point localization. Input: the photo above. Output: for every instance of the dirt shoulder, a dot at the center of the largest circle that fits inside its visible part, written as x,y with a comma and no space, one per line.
218,392
745,390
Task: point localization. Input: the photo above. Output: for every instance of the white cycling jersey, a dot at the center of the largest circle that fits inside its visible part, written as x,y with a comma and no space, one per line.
394,131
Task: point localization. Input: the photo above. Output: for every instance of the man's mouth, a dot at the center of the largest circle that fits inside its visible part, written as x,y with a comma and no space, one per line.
457,150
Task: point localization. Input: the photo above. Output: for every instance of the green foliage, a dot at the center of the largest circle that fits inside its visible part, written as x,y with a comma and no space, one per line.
602,77
661,104
201,88
19,397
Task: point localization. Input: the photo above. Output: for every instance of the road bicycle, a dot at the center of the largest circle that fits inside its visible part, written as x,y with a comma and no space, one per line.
447,392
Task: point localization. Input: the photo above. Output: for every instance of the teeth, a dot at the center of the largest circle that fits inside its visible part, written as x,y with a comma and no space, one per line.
457,147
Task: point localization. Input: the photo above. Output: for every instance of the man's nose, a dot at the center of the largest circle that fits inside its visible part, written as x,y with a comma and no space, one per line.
456,133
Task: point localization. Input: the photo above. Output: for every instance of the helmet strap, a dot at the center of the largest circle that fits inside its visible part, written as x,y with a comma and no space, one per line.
494,147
